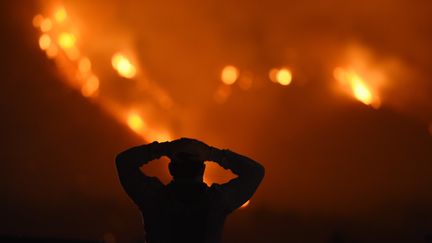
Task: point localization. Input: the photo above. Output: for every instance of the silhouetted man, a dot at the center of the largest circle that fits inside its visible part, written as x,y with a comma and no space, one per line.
186,210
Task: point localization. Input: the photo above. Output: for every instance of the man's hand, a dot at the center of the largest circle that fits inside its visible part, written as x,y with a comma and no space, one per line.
197,149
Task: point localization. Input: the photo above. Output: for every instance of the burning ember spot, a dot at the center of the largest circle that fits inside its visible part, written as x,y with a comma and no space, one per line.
123,65
52,51
66,40
135,122
60,15
46,25
45,42
229,75
90,87
282,76
84,65
356,85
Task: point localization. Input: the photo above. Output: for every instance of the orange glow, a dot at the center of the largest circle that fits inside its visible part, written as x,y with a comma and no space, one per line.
229,74
361,92
77,70
45,41
158,135
60,15
37,20
90,87
273,74
284,76
222,93
358,87
135,122
245,204
245,83
46,25
66,40
73,53
52,51
84,65
123,66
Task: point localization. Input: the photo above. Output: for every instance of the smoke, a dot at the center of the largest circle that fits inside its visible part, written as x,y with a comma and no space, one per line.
324,151
184,45
180,50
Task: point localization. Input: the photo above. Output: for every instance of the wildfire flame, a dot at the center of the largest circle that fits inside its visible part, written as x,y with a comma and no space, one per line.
45,41
135,122
46,25
60,15
229,75
356,86
90,87
282,76
123,65
57,38
66,40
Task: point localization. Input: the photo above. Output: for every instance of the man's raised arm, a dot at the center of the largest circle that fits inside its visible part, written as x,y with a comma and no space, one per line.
250,174
136,184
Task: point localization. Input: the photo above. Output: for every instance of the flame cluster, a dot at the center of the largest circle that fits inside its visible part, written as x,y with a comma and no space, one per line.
59,42
231,75
62,45
123,65
59,38
283,76
356,86
349,80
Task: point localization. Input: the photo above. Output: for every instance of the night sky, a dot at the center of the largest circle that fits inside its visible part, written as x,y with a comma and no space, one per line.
337,170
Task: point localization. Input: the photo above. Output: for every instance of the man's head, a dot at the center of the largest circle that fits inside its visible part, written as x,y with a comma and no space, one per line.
183,167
